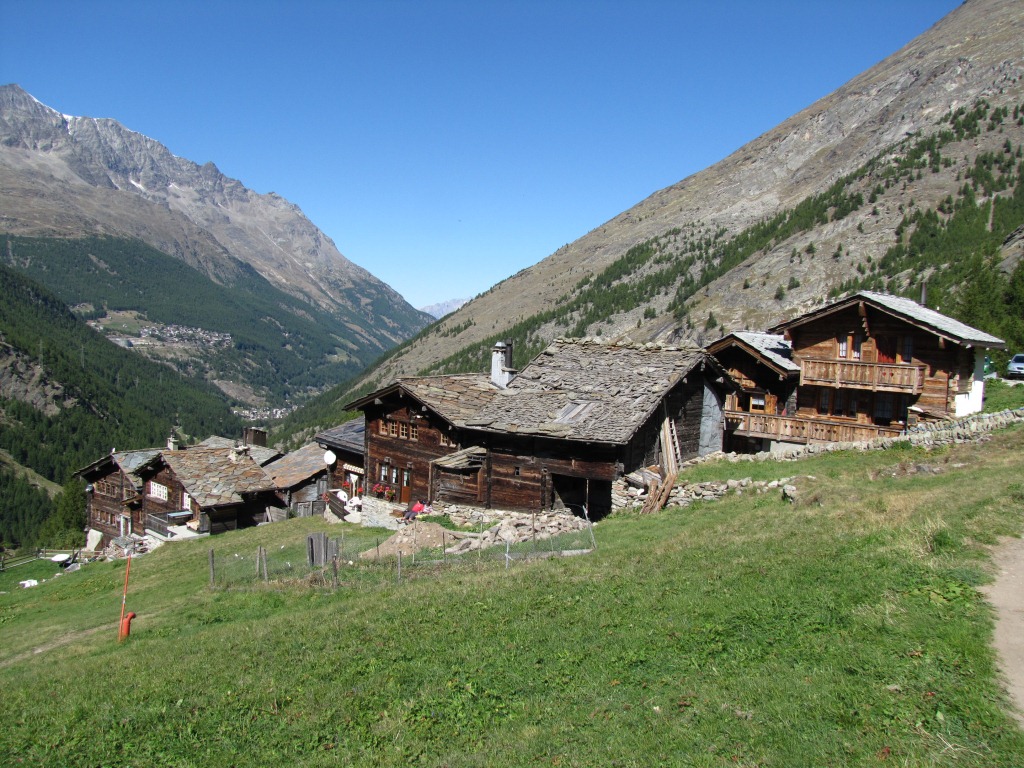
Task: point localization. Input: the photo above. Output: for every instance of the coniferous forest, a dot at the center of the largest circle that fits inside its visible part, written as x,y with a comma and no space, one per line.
91,397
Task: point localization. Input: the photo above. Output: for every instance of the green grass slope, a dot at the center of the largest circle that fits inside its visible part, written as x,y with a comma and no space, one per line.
845,629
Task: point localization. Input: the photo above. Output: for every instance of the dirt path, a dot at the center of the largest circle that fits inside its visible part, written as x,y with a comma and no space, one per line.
1006,594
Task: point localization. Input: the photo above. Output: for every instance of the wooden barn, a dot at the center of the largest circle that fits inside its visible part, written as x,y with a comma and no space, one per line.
871,365
301,479
207,490
579,416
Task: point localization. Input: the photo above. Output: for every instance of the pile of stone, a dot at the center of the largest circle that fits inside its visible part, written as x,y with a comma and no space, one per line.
685,494
510,528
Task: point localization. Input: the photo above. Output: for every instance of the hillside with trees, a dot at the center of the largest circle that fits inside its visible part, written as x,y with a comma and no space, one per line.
70,396
799,214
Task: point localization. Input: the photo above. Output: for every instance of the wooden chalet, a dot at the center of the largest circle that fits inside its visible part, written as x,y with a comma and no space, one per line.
114,496
346,444
118,505
579,416
301,479
761,364
870,365
206,490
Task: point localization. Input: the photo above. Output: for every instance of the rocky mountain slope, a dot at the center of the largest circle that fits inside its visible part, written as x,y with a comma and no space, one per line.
72,176
842,174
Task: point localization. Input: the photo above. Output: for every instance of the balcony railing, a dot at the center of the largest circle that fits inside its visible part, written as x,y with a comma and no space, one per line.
878,377
792,429
160,522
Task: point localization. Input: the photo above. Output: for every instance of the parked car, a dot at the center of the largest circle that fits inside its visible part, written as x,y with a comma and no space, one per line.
1015,368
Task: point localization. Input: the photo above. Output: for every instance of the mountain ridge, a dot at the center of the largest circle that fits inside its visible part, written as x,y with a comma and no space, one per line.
972,53
67,176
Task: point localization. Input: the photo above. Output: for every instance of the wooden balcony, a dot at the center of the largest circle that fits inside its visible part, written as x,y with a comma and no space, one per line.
877,377
790,429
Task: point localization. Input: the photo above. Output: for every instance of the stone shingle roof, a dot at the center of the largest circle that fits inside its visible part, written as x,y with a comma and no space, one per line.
576,389
260,454
587,390
908,310
296,467
349,436
458,398
217,476
772,347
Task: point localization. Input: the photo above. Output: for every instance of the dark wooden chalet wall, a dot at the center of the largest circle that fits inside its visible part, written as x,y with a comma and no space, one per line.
534,474
111,489
404,454
685,404
943,362
752,375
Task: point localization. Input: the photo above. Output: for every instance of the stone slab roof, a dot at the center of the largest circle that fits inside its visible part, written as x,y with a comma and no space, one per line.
297,467
458,398
260,454
128,462
773,347
217,476
581,389
349,436
576,389
908,310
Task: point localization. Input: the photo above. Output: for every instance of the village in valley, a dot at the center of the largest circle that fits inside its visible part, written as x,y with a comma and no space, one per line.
587,428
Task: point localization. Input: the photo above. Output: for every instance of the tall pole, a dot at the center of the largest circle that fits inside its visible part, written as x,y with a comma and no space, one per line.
124,595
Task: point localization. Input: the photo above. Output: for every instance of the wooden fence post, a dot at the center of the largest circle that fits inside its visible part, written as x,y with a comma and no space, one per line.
213,579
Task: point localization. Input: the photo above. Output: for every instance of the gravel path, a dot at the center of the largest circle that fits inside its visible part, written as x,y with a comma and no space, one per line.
1006,594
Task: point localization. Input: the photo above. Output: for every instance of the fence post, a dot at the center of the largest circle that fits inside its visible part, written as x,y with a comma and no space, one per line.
259,551
266,571
213,579
507,558
590,525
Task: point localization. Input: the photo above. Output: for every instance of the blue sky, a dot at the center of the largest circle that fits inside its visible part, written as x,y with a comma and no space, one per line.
445,146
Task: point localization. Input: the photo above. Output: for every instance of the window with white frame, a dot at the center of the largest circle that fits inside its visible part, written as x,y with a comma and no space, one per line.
157,490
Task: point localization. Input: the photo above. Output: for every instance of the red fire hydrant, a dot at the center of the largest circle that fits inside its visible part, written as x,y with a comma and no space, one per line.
126,627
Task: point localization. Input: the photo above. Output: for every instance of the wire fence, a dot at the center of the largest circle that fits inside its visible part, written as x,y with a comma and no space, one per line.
363,561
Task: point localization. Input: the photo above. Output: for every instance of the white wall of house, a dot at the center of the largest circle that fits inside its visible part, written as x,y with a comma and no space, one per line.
973,401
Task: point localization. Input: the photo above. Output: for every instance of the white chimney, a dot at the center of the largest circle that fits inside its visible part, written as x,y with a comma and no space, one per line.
501,364
172,442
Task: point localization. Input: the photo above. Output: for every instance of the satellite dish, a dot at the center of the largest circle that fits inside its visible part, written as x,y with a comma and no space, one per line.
62,558
330,458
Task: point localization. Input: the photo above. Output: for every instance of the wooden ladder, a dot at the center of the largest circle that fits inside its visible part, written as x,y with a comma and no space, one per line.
658,496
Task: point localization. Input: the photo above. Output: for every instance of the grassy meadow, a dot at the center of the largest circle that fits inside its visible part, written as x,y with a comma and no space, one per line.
844,629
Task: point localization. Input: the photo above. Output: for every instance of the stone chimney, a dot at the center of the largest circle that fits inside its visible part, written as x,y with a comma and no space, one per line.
254,436
502,371
172,441
238,452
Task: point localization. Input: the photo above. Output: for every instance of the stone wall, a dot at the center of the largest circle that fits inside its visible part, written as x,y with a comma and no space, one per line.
626,496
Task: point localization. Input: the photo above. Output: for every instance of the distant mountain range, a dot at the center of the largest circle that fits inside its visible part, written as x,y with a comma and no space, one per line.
443,308
70,178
